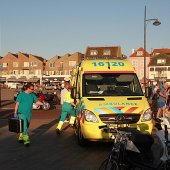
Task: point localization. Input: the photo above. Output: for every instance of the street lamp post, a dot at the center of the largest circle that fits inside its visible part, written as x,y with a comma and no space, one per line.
156,22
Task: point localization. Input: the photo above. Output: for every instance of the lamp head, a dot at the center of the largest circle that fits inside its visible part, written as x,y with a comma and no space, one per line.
156,22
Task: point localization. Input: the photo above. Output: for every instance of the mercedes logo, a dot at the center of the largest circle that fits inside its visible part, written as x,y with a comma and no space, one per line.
120,118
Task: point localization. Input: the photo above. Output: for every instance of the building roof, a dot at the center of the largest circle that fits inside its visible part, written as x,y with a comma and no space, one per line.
25,54
115,51
141,52
16,55
157,51
154,59
39,58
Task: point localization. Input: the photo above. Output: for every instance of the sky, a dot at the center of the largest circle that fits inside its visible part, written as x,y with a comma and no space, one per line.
56,27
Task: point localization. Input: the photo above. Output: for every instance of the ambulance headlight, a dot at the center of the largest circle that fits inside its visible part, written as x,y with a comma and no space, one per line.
89,116
147,115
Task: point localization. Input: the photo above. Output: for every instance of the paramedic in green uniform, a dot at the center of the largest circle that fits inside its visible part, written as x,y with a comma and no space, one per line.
67,107
23,109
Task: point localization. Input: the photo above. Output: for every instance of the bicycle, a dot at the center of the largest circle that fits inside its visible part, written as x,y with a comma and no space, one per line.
131,153
116,159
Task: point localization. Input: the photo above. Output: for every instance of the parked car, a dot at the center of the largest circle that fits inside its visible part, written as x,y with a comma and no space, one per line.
14,85
50,87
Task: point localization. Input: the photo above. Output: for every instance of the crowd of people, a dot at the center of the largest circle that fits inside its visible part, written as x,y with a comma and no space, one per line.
25,100
160,100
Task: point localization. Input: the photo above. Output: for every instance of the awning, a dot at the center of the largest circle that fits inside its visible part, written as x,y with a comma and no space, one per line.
33,80
45,79
2,79
12,79
22,79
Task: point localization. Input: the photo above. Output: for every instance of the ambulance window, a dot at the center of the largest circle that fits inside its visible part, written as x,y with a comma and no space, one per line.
135,86
109,84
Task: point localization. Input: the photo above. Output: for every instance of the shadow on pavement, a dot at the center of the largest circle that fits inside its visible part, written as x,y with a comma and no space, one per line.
4,115
43,128
50,152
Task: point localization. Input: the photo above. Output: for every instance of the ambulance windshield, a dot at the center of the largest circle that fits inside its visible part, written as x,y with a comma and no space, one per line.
102,84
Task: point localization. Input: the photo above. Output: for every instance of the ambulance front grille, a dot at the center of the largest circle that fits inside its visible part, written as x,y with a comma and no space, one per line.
119,118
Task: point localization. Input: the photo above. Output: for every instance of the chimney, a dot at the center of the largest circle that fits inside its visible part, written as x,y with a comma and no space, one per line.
133,50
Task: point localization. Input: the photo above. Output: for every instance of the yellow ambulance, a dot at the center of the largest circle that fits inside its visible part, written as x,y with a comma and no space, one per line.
108,92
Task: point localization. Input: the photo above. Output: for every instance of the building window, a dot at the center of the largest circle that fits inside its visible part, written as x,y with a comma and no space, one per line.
72,63
135,63
15,64
26,64
139,53
93,52
32,72
106,52
141,73
5,64
161,69
26,72
151,69
61,64
33,64
15,72
51,72
168,68
61,73
70,72
51,64
38,72
141,63
161,61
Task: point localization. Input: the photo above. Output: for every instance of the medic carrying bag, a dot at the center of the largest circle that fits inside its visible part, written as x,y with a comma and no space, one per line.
15,125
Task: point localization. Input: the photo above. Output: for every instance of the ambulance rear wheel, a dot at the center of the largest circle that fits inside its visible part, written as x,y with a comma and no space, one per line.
80,137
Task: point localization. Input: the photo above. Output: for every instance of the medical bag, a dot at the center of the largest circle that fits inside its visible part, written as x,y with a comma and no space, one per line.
15,124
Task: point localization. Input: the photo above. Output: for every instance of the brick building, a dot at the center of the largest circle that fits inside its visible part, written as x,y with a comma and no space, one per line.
22,67
58,67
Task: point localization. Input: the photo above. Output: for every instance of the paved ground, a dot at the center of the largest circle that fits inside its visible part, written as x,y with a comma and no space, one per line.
47,151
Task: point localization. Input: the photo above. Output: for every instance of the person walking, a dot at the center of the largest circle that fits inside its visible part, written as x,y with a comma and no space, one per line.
154,98
67,107
64,90
162,100
23,109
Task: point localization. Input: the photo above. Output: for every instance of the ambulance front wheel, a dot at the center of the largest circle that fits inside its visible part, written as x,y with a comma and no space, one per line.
80,137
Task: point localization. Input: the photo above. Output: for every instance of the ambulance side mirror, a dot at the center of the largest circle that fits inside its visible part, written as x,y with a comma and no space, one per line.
74,94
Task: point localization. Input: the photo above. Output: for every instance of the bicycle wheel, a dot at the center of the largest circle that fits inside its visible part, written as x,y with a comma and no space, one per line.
109,164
